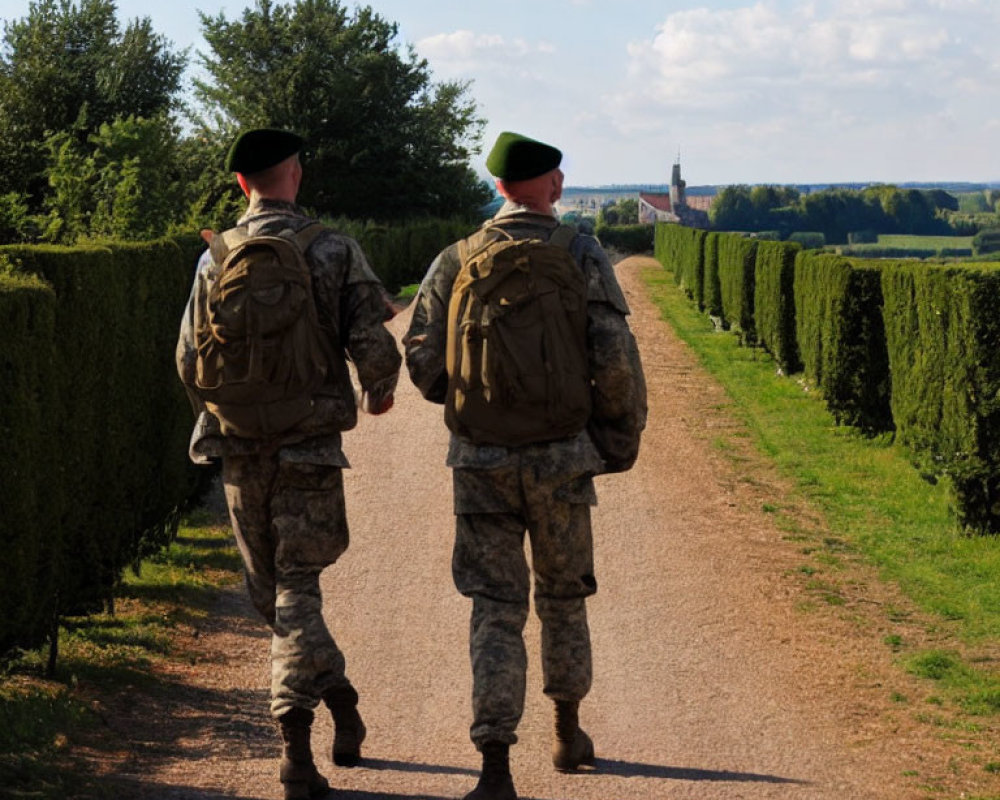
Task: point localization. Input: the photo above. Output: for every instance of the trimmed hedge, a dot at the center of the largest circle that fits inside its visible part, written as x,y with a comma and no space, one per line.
942,330
712,287
737,257
692,252
841,338
91,395
27,308
400,255
810,240
882,251
986,241
824,314
627,239
774,303
667,247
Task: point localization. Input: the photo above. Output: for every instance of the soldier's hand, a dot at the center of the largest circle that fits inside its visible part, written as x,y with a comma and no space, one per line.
376,408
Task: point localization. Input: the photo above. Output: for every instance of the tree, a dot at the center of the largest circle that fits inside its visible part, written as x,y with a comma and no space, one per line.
733,209
71,68
624,211
122,184
383,141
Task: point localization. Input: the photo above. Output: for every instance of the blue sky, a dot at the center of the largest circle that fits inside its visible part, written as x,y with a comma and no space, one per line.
747,92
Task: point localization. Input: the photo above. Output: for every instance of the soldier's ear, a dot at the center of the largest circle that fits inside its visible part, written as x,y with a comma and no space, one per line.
207,235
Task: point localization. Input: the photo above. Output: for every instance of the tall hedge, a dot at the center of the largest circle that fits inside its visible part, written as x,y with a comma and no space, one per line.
108,414
774,302
627,239
943,330
401,254
667,246
692,263
27,459
841,337
737,259
712,290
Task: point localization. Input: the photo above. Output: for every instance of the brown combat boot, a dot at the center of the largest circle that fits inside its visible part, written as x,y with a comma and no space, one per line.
572,747
348,729
495,782
298,772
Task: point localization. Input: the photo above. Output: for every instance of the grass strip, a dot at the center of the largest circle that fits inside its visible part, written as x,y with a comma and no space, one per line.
870,496
43,720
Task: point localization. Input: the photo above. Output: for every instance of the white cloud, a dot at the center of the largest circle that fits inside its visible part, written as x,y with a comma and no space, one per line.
866,81
464,52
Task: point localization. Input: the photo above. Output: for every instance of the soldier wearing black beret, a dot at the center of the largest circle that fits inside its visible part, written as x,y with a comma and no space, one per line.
256,150
284,486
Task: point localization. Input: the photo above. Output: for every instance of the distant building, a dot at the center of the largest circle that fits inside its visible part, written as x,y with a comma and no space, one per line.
675,206
656,207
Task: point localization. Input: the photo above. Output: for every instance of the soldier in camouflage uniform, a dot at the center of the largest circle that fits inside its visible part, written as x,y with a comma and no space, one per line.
285,493
545,488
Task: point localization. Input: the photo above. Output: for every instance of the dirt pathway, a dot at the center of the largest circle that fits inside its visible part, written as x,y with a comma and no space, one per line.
710,681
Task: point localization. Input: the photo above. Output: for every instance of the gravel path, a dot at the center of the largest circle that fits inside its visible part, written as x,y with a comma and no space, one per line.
711,681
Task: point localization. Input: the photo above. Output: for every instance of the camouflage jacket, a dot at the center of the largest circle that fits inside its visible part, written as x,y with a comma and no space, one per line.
612,437
351,306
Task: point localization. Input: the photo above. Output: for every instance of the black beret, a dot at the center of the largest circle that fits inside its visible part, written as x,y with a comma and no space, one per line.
256,150
517,158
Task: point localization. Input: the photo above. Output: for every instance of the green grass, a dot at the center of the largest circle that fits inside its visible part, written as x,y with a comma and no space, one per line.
924,242
865,494
42,719
407,293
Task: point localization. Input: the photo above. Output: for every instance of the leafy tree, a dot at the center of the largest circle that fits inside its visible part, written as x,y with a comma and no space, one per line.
69,67
122,184
608,215
383,140
733,209
941,200
624,211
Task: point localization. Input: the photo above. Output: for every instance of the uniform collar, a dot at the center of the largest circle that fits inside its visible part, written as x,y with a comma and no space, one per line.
510,208
264,205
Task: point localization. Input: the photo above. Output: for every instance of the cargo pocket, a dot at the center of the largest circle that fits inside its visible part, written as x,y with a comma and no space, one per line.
308,516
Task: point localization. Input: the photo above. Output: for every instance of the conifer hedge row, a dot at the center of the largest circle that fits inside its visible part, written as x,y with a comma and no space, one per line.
892,345
401,254
774,303
943,330
711,287
95,423
737,257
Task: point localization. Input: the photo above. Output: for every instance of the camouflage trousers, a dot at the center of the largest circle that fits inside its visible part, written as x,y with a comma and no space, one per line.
494,508
290,522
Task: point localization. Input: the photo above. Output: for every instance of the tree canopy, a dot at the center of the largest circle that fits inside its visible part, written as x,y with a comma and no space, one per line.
383,140
836,212
72,68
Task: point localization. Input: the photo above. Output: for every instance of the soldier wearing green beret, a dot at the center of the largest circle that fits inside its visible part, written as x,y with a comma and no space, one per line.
543,486
285,490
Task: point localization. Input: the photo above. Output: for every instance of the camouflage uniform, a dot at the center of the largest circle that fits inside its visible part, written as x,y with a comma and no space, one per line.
285,495
545,489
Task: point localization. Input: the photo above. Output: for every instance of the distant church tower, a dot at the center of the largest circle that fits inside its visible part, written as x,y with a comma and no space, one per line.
677,186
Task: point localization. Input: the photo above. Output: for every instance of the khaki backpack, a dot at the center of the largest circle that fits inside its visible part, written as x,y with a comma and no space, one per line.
517,340
261,351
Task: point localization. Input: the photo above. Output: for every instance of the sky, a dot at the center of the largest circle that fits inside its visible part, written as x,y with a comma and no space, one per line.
821,91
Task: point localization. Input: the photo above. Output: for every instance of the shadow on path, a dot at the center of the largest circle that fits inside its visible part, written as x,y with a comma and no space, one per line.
629,769
408,766
149,791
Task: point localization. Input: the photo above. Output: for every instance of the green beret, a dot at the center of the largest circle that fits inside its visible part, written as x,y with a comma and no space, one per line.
256,150
517,158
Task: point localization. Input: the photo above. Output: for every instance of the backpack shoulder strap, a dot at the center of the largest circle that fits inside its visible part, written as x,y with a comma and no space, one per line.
563,236
223,243
475,242
307,235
